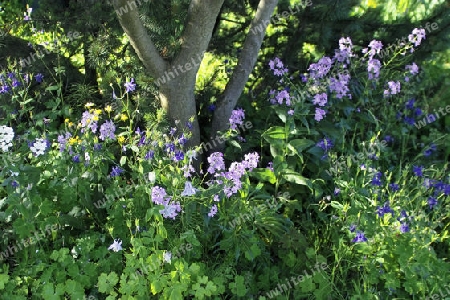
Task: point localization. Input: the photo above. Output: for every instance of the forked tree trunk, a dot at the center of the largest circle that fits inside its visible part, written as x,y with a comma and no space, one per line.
177,94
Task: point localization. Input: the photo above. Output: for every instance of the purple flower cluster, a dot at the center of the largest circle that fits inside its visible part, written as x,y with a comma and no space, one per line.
326,144
237,118
107,130
89,120
321,68
340,85
277,67
416,36
171,208
393,88
62,141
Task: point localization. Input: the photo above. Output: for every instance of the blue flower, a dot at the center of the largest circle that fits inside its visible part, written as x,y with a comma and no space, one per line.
150,154
432,202
179,155
39,77
76,158
376,180
429,150
410,104
409,120
418,111
170,147
352,228
97,146
130,86
326,144
116,171
211,107
388,139
14,184
417,170
404,228
359,237
394,187
385,209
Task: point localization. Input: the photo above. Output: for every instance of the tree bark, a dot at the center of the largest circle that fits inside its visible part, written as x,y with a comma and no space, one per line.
246,63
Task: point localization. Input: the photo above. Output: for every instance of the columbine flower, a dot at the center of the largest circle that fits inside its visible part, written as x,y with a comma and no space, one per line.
385,209
189,190
359,237
39,146
432,202
107,130
130,86
394,187
171,210
116,246
6,137
152,177
417,170
326,144
179,155
116,171
167,257
216,162
213,211
149,155
237,117
352,228
404,228
39,77
376,180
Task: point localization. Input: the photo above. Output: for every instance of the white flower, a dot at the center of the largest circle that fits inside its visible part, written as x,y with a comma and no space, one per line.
6,137
152,177
87,158
39,147
116,246
189,190
167,257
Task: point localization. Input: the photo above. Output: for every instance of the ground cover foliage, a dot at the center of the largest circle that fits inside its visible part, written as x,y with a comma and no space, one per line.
339,189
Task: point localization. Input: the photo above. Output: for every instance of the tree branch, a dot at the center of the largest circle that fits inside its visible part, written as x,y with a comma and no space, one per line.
246,63
128,15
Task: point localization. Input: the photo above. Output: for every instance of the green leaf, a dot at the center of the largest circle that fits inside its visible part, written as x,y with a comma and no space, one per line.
337,205
238,286
235,144
294,177
123,160
264,175
106,283
274,133
301,144
3,279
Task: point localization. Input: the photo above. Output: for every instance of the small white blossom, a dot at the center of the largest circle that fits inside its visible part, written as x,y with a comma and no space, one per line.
6,137
116,246
152,177
39,147
167,257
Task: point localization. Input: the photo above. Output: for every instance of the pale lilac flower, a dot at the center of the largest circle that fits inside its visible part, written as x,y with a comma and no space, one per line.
321,68
116,246
413,69
416,36
394,88
320,113
189,190
107,130
171,210
89,120
320,99
373,68
251,161
213,211
277,66
375,48
216,198
283,95
339,85
290,112
237,117
216,162
345,44
158,194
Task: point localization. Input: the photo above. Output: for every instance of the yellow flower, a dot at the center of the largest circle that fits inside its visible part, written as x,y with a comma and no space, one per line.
123,117
70,124
89,104
66,121
97,111
121,139
108,108
372,3
74,140
95,118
